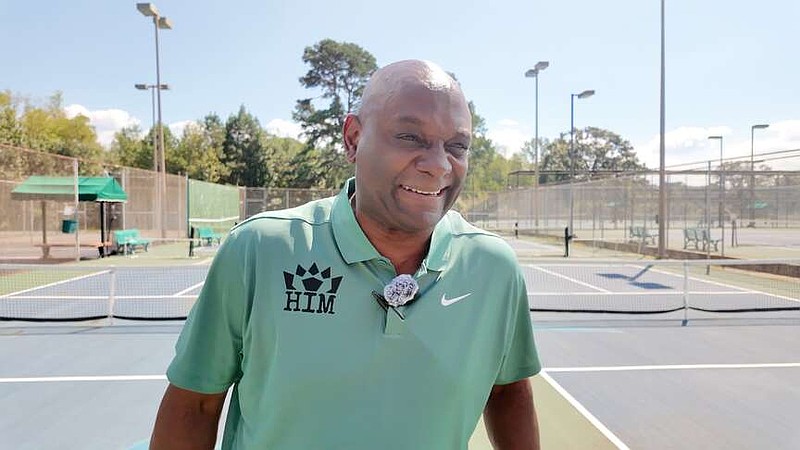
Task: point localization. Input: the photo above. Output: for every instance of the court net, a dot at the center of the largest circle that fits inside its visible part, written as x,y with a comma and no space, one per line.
710,287
663,286
71,293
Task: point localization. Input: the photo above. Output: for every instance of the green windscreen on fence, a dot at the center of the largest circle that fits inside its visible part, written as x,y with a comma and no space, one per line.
212,201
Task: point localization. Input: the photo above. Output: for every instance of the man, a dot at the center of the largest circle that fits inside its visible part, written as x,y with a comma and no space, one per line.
287,315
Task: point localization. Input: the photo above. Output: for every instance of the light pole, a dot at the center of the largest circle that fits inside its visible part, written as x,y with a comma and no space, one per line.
662,173
721,195
159,22
584,94
152,88
753,174
534,73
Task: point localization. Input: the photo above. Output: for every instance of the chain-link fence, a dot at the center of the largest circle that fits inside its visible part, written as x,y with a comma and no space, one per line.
34,223
269,199
759,208
21,225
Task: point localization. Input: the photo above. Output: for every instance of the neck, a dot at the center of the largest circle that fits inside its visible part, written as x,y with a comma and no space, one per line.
405,250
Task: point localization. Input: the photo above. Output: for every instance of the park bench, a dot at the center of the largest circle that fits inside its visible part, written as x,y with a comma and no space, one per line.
207,235
640,234
128,240
692,235
706,238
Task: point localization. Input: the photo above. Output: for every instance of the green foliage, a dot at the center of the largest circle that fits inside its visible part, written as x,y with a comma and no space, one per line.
487,168
595,151
341,71
10,128
199,150
282,155
243,150
129,149
47,128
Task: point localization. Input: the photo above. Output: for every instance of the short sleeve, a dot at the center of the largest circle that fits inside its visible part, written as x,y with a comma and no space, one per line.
208,351
521,359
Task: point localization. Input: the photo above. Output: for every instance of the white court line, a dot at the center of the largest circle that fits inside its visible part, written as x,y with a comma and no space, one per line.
56,283
739,289
715,283
568,278
584,412
628,293
85,378
673,367
190,288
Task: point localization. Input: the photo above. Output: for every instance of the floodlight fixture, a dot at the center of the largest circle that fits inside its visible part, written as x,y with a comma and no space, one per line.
147,9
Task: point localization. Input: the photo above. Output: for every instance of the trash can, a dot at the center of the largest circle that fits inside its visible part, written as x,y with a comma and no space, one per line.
69,226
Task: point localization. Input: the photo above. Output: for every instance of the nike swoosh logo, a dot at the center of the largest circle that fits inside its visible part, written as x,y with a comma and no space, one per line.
449,301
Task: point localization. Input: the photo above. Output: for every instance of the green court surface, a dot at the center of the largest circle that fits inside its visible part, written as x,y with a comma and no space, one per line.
171,252
561,425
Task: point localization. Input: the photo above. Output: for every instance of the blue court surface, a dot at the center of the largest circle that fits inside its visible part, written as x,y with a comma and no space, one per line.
665,365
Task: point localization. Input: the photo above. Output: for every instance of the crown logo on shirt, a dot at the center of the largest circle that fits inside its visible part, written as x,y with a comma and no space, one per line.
312,288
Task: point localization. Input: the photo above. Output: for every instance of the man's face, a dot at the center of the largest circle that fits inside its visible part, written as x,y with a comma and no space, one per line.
411,154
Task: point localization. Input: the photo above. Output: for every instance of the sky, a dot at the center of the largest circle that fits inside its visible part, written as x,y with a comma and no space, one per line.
729,64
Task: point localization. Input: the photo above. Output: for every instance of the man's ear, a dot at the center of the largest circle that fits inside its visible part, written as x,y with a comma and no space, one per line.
352,133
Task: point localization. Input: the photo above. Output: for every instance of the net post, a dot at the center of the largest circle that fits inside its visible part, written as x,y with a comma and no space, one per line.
567,238
112,295
191,241
685,293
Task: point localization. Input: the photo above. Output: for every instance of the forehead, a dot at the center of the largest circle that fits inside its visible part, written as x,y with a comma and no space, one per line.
443,108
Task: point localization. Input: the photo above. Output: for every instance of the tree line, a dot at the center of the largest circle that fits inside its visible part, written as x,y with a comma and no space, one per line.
239,151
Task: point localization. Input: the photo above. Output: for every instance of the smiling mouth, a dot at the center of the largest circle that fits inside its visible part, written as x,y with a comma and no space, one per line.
421,192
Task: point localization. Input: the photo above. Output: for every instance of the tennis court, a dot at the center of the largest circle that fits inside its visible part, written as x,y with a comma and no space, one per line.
662,361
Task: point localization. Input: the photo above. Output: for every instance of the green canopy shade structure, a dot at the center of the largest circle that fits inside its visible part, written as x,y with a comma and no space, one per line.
90,189
62,189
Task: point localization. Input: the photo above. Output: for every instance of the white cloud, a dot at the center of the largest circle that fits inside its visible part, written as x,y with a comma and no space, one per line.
787,131
691,145
284,128
106,122
682,145
509,136
177,127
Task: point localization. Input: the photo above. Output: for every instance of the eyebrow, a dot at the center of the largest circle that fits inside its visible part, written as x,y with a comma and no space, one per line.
412,120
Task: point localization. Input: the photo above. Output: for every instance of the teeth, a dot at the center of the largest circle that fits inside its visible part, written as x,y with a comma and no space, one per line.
417,191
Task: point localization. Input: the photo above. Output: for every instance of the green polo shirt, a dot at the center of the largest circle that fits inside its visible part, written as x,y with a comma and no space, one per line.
286,316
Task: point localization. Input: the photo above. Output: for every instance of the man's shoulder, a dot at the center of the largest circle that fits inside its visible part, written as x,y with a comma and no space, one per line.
313,213
468,237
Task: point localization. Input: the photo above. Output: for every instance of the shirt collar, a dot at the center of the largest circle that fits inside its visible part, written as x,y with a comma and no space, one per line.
355,247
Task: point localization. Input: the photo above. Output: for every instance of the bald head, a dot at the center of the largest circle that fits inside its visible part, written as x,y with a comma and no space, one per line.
389,81
410,145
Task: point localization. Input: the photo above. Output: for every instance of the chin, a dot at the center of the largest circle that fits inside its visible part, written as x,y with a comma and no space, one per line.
428,221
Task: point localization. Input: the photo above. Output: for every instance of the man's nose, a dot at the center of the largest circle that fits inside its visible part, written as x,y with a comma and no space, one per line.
435,161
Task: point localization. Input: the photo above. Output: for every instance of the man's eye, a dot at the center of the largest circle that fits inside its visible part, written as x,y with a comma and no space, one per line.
458,150
409,137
